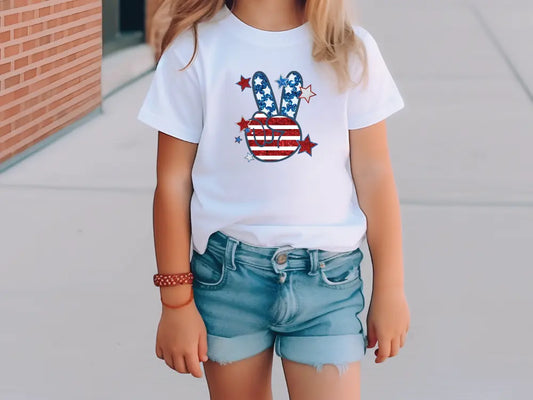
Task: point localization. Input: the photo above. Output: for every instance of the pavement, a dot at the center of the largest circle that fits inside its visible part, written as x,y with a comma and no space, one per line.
79,317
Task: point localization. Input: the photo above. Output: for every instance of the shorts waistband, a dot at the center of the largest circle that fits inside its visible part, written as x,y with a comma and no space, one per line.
279,259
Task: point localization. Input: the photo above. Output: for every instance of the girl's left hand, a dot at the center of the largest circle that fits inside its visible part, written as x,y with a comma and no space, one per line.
387,322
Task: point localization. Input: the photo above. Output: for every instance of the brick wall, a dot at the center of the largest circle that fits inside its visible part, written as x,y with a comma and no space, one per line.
50,62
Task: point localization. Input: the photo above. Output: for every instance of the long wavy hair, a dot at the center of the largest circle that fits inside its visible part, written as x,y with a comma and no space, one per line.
334,40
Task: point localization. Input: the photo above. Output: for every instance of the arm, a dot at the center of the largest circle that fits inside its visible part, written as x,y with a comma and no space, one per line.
376,192
181,335
388,314
171,212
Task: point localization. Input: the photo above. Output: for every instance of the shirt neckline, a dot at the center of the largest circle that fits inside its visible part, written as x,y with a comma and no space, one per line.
262,37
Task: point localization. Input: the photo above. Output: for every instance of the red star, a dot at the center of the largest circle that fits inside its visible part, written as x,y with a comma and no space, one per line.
243,124
244,83
306,145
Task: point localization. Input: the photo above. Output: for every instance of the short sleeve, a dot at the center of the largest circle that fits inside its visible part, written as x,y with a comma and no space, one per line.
173,103
379,98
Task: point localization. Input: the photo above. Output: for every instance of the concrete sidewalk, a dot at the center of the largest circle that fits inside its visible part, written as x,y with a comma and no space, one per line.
79,312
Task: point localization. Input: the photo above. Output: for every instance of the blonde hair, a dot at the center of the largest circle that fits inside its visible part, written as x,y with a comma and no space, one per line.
334,40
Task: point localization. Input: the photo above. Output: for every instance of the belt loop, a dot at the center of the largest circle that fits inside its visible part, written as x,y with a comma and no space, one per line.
313,255
229,255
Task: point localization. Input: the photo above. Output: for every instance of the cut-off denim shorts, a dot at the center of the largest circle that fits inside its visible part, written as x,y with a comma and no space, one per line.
304,302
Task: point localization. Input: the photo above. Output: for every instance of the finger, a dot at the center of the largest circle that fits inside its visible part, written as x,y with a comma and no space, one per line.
202,346
168,359
179,363
290,94
383,350
402,338
372,338
257,128
395,346
193,365
263,94
159,352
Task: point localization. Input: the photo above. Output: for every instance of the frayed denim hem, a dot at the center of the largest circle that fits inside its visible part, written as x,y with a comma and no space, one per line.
341,368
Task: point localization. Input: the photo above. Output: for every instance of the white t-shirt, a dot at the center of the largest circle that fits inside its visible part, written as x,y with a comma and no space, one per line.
273,161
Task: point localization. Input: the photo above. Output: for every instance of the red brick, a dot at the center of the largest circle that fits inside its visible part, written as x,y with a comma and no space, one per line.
27,15
11,50
21,62
60,7
30,44
37,56
30,74
10,112
44,40
19,32
45,11
36,28
5,129
5,5
5,36
52,23
12,81
11,19
5,68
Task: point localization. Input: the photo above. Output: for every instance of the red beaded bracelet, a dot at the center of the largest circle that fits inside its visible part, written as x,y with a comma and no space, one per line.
173,279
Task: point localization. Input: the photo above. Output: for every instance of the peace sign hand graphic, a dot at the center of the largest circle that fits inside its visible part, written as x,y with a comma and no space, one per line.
272,134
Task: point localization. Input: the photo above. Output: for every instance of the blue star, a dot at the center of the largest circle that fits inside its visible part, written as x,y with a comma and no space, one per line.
238,138
281,81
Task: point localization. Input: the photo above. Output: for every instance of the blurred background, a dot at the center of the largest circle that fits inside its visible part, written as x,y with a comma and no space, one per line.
78,309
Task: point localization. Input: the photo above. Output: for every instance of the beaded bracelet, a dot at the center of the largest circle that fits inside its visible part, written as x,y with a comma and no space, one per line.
181,278
173,279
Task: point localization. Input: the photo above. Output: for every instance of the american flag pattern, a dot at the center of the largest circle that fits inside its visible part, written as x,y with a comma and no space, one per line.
272,138
273,134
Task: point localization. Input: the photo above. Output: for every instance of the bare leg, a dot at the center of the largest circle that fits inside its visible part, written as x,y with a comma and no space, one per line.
304,382
241,380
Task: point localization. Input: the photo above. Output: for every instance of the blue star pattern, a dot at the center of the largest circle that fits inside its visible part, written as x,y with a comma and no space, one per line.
238,139
291,93
264,97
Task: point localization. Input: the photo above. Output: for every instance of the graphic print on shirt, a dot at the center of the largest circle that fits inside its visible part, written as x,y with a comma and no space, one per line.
273,134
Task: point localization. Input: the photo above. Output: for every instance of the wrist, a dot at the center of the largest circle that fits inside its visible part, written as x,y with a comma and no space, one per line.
175,302
384,285
387,276
175,294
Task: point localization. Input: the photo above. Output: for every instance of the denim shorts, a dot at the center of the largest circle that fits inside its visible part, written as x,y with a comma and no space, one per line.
304,302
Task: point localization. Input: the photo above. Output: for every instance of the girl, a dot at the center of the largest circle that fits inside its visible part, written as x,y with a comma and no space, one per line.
273,159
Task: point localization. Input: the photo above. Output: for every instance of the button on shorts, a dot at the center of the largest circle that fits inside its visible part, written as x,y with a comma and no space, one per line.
304,302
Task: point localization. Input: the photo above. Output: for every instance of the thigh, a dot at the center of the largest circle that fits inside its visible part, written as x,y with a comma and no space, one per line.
322,346
245,379
304,382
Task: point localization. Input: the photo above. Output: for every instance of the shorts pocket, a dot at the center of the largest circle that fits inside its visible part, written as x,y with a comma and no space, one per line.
208,271
341,272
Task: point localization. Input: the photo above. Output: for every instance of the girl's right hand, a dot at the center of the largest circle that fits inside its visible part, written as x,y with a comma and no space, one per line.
182,339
